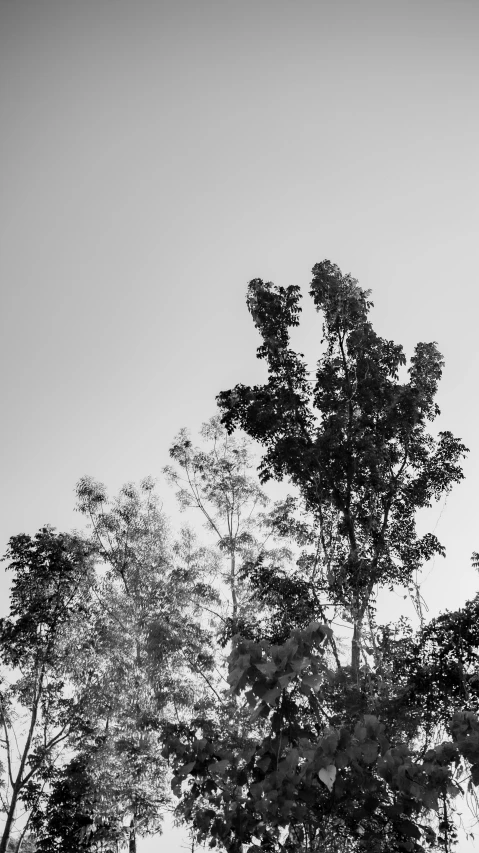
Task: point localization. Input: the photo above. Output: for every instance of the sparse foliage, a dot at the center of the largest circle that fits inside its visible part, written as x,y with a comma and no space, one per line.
218,480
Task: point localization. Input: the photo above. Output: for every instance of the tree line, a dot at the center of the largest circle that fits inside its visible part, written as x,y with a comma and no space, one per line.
248,686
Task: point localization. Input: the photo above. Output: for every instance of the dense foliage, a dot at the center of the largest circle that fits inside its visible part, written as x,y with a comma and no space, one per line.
50,594
339,755
216,680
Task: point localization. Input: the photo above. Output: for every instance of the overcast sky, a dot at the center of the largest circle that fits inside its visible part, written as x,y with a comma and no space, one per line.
158,155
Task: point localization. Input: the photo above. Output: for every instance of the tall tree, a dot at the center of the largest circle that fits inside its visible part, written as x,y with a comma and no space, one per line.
147,656
354,439
337,757
49,601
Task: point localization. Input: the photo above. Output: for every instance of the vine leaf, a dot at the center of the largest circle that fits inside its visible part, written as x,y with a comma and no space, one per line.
327,775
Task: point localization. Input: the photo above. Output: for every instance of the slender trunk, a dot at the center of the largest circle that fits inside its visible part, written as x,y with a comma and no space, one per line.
132,839
360,607
233,584
356,647
19,781
9,821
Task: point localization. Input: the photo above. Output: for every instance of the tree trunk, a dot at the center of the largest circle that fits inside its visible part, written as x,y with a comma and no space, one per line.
17,787
234,598
356,647
9,821
359,610
132,839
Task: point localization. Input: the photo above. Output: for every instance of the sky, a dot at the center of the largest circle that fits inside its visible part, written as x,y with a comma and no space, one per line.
158,155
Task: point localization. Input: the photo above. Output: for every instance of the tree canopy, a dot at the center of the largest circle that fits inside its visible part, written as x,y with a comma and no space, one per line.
249,684
339,755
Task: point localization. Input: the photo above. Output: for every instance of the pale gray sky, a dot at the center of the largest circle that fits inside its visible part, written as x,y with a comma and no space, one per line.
158,155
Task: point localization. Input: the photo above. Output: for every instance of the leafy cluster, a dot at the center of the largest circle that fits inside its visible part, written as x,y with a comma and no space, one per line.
303,783
155,673
354,439
350,760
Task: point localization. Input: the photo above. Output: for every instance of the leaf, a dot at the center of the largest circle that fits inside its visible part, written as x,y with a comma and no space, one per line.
234,676
271,695
219,766
313,681
290,761
260,688
372,724
301,663
369,752
247,753
360,732
187,768
261,711
268,668
327,775
287,807
406,827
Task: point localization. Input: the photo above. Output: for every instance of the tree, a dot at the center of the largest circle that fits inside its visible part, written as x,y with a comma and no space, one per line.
354,440
48,613
337,758
217,480
160,587
145,654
